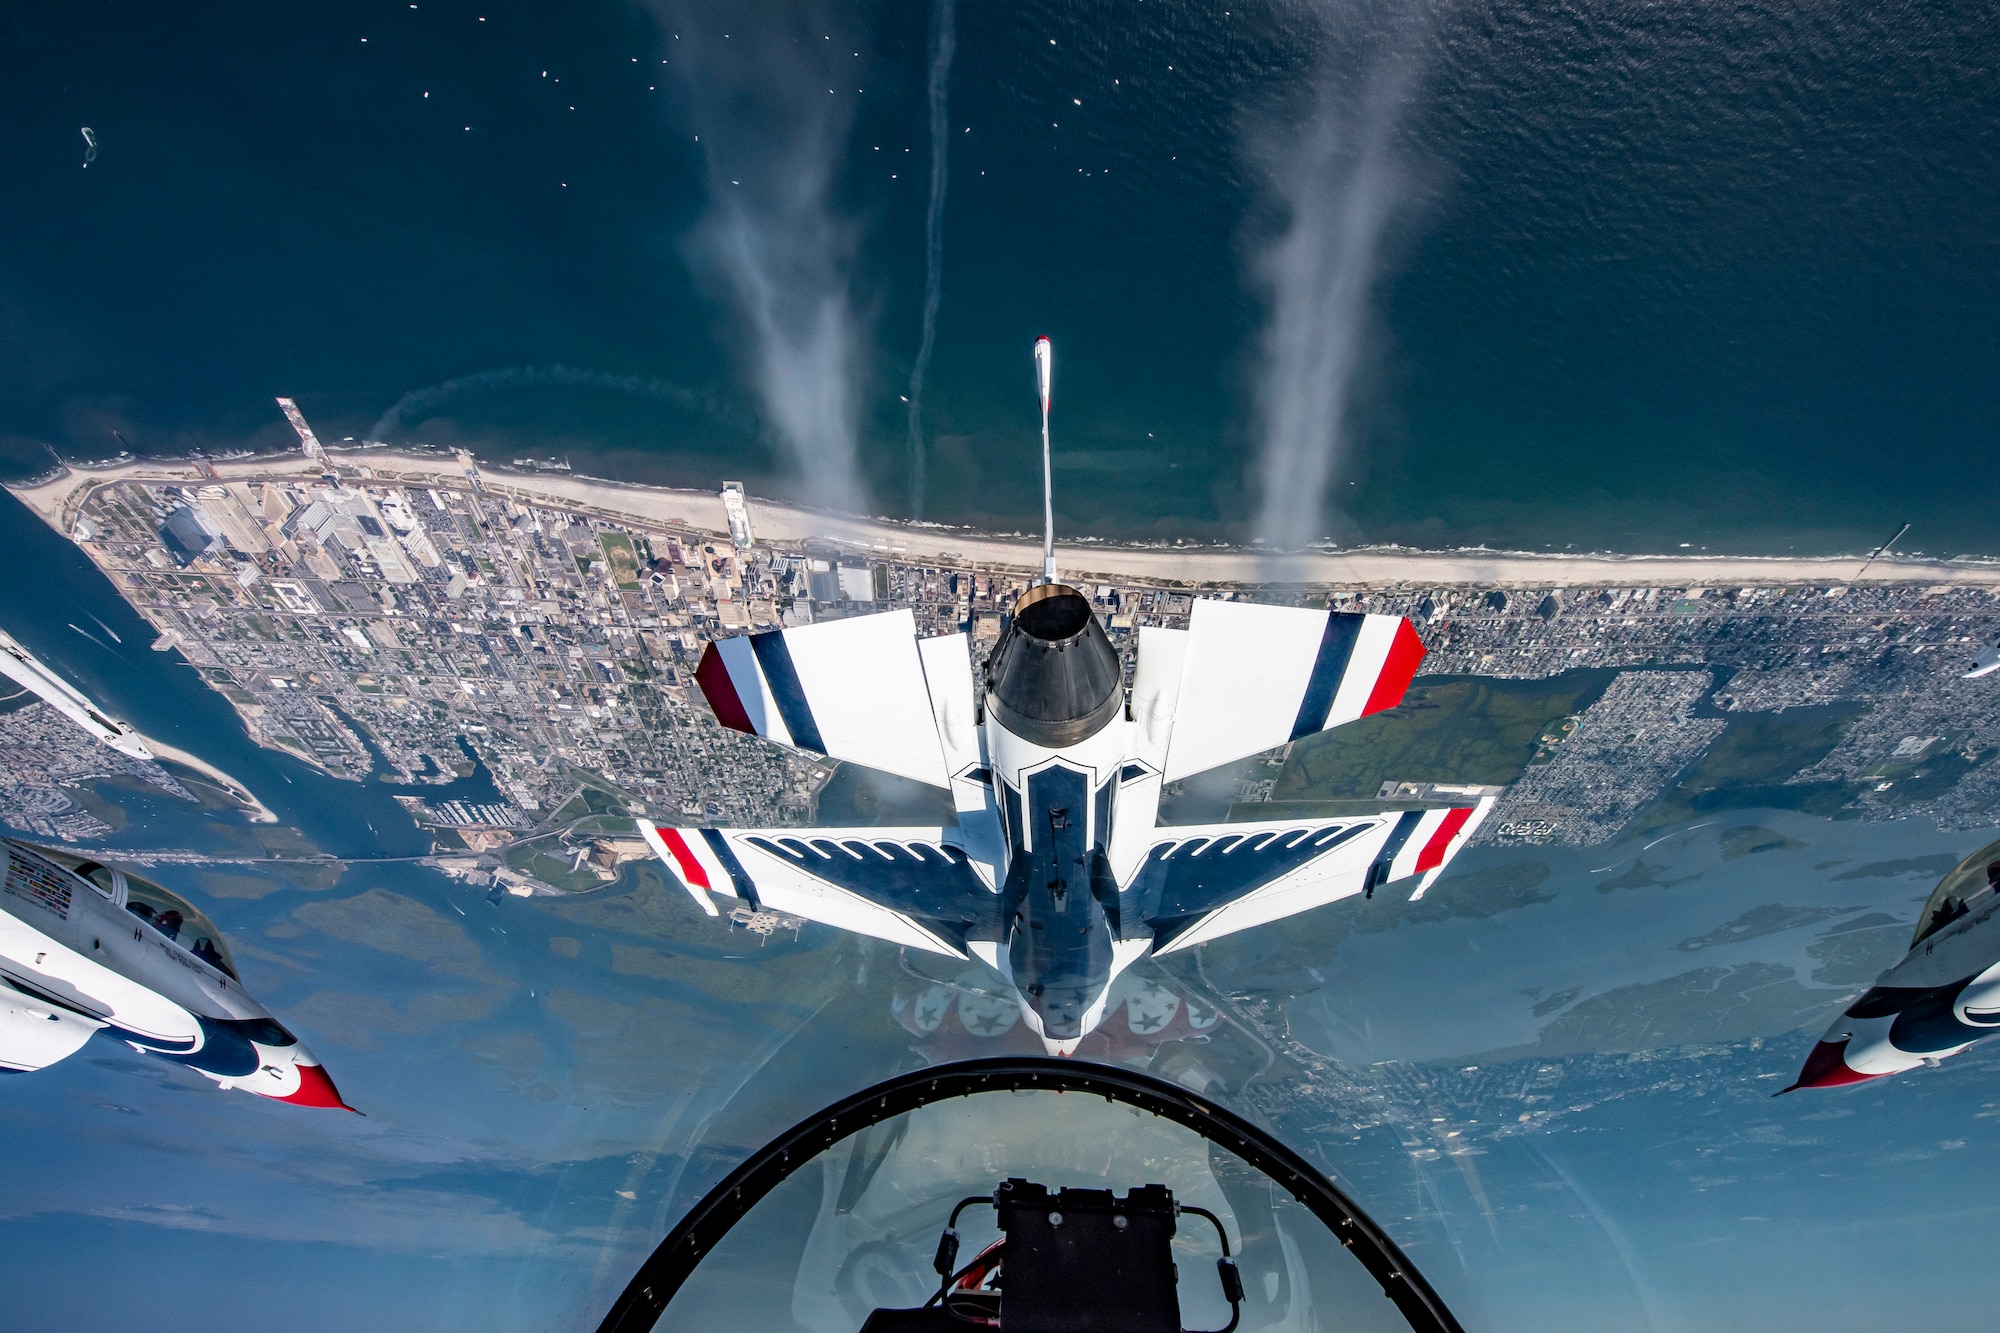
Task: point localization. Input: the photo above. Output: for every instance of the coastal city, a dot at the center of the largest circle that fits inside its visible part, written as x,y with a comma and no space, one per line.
46,762
528,656
368,624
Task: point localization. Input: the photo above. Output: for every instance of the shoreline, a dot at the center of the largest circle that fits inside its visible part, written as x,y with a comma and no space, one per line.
58,499
173,754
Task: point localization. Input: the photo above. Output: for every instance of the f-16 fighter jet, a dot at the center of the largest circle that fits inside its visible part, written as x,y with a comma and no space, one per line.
88,948
1056,874
1986,662
1943,996
27,671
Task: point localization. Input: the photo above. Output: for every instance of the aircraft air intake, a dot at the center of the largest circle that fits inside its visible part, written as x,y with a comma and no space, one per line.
1054,678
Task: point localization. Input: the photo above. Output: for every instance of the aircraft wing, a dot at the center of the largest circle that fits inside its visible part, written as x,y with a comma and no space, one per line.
1200,882
911,886
35,1034
1253,677
848,689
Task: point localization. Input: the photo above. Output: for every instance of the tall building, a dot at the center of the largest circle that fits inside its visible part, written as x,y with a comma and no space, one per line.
738,514
189,534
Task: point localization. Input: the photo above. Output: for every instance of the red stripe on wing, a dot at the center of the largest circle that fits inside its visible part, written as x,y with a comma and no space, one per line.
720,691
1432,856
1406,653
684,857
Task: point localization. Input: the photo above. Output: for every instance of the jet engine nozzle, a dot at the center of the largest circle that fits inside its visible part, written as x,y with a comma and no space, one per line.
1054,678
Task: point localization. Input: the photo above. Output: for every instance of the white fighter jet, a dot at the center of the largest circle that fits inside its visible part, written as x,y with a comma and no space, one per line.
1943,996
88,948
1056,873
27,671
1986,662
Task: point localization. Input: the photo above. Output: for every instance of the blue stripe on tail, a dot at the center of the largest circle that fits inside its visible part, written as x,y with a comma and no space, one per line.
775,658
1336,649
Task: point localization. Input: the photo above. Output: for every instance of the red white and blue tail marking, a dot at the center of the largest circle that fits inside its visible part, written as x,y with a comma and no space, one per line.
848,689
697,874
1423,843
824,875
1255,677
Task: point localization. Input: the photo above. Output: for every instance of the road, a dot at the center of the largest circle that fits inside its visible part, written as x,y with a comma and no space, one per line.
59,499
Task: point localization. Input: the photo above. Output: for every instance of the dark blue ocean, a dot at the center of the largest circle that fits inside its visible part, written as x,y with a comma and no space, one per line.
1594,276
1651,274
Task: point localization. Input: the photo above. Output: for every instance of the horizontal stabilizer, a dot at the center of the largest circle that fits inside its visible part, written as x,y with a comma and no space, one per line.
1255,677
912,886
848,689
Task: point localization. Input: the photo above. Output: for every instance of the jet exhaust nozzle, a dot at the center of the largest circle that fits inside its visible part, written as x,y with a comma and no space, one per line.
1054,678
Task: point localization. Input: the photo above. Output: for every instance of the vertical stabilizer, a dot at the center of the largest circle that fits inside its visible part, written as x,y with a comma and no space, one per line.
1044,361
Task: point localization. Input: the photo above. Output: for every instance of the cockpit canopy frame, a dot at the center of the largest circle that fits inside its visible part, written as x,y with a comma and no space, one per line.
703,1227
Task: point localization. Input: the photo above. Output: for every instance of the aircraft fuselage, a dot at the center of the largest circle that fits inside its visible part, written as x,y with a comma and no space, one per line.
1942,996
1059,900
88,948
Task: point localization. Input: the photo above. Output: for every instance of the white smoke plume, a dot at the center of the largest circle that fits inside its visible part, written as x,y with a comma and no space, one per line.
944,39
768,97
1335,184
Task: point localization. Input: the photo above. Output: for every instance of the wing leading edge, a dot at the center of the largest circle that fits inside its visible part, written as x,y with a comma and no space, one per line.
917,886
1241,679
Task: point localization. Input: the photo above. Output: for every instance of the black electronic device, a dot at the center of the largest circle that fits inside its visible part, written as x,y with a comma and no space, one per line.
1106,1266
1069,1261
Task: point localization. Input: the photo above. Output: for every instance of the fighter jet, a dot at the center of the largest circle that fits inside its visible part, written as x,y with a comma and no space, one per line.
88,948
1986,662
1943,996
1056,874
27,671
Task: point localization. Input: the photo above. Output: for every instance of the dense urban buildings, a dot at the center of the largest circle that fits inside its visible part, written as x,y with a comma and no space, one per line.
365,623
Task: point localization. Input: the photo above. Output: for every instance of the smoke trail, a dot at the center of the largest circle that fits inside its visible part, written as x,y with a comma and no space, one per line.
769,101
944,39
1337,183
414,404
1655,1311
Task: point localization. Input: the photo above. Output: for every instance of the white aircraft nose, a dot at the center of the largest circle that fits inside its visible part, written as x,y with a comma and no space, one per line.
1870,1054
309,1084
1064,1047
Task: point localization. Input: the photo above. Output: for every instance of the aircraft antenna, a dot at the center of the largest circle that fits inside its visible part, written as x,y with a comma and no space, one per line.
1044,356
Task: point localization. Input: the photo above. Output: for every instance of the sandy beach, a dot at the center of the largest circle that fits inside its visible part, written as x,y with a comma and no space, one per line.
58,500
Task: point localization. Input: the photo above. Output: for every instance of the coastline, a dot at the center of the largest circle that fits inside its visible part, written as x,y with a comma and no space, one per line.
173,754
58,499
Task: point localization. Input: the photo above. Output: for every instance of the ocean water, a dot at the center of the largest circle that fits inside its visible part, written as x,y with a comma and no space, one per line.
1618,276
1645,275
